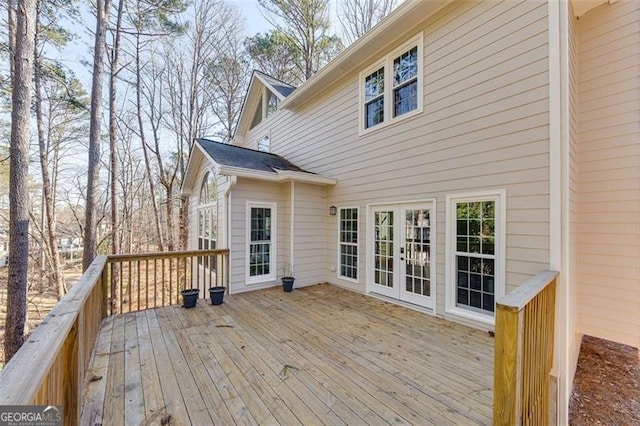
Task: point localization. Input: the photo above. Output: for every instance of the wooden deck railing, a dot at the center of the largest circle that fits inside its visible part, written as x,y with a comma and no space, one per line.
50,368
524,352
141,281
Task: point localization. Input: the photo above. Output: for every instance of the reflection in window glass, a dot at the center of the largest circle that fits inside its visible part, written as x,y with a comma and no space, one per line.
475,255
374,98
260,242
349,243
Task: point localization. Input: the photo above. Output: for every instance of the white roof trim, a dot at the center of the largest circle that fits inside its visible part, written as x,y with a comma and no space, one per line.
399,24
580,7
279,175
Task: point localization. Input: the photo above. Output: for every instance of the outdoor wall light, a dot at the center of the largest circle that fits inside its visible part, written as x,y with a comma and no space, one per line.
333,210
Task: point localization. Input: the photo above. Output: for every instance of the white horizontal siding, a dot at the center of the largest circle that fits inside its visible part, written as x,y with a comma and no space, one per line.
608,207
484,126
310,214
259,192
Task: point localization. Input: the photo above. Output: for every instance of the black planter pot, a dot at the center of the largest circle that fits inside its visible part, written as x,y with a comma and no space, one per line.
287,284
217,295
190,297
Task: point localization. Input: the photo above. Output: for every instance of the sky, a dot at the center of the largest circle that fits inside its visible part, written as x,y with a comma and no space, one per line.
77,56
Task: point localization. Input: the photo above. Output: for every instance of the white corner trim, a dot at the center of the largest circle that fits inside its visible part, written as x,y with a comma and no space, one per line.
292,229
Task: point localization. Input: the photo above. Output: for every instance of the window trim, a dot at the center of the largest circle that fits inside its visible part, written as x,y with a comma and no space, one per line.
260,279
202,207
387,63
357,245
500,197
264,136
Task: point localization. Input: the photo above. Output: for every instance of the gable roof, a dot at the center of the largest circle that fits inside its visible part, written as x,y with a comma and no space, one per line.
258,81
231,160
235,156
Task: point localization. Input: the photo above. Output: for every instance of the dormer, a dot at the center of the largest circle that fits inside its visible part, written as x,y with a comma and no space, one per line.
262,100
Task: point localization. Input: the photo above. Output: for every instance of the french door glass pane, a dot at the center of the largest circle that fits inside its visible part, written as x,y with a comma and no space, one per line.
383,246
418,251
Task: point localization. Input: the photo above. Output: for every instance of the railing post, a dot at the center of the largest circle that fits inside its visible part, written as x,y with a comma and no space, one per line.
524,352
507,404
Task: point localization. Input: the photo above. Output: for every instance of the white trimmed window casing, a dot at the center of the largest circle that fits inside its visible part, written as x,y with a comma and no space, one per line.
393,83
348,241
264,143
207,212
261,242
459,252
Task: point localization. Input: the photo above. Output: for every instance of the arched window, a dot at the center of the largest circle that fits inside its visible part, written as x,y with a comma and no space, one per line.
208,213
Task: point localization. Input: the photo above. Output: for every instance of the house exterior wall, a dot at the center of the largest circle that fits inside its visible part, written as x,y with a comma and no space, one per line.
484,127
309,223
609,172
222,183
247,190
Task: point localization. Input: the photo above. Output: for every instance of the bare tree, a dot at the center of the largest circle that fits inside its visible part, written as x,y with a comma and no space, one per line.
90,248
228,75
188,92
306,23
359,16
22,41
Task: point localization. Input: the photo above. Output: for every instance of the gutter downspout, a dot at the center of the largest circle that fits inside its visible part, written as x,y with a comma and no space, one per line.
292,231
227,209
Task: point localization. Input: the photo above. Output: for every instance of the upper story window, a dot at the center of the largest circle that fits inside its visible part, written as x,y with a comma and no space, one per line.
392,89
264,144
272,104
266,106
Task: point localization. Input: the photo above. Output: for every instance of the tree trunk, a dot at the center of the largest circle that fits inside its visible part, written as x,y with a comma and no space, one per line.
113,160
145,150
48,207
90,228
22,66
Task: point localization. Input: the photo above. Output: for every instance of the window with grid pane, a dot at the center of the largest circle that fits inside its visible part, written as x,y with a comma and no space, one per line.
475,255
260,245
374,98
391,89
405,82
207,218
348,230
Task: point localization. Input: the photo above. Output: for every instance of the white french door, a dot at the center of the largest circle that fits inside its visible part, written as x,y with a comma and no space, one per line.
401,266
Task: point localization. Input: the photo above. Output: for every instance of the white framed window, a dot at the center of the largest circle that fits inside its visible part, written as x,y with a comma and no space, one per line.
475,254
266,106
272,103
348,243
391,89
264,144
208,213
261,242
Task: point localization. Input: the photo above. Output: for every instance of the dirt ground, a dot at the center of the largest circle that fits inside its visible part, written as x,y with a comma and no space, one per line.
606,389
39,303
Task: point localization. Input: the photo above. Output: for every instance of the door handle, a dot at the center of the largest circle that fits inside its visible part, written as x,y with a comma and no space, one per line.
402,258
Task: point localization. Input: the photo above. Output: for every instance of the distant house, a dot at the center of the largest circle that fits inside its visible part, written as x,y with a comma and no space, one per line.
456,150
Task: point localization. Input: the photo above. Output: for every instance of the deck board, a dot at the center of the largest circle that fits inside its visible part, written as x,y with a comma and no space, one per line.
319,355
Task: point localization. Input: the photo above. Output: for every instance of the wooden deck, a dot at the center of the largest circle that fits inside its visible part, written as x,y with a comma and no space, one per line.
319,355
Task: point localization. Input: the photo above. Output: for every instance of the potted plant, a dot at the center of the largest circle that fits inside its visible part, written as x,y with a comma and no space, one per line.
287,279
190,297
217,295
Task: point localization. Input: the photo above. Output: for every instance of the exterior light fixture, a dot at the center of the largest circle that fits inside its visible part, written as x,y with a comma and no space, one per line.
333,210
